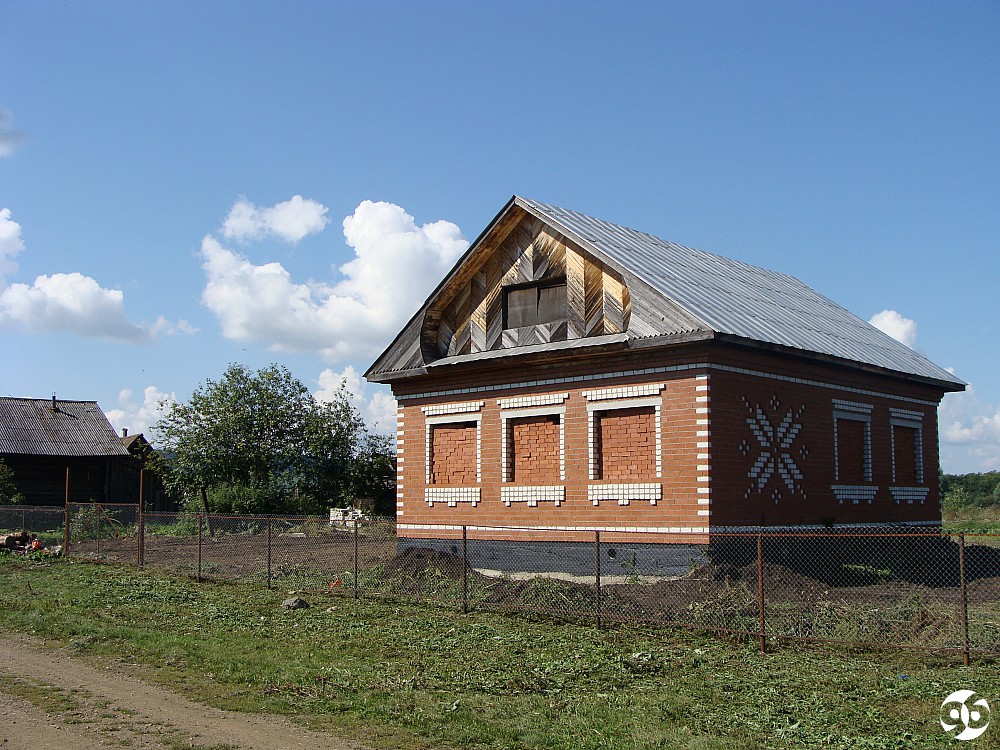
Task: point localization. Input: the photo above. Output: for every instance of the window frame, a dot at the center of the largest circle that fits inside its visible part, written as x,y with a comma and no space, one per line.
538,287
866,491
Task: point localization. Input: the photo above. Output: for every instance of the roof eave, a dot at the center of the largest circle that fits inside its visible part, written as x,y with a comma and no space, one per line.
371,374
948,386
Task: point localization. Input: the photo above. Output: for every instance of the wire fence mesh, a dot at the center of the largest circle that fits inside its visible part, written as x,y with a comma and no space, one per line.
919,589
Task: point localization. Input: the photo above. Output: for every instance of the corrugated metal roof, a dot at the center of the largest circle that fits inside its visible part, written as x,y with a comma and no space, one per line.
735,298
31,426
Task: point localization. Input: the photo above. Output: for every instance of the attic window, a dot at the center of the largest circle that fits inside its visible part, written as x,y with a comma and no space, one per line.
534,304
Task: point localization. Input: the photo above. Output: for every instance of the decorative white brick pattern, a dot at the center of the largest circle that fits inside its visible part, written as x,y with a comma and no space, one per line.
533,495
623,493
508,414
909,494
523,402
851,406
915,421
451,495
631,403
461,408
775,448
855,493
429,423
859,412
628,391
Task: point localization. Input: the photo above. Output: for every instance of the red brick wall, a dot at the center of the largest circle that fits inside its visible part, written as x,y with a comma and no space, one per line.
708,447
453,454
627,445
809,498
534,446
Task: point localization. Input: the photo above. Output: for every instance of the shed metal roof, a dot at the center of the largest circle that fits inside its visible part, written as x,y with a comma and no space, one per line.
49,427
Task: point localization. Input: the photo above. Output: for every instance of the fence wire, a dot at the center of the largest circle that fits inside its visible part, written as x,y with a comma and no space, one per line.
910,589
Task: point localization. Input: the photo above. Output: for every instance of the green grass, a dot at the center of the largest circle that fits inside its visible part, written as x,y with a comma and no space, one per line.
406,676
974,519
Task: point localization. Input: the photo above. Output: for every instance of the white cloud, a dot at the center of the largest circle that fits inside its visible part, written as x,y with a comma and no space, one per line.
69,302
902,329
970,433
10,243
10,138
290,221
378,410
396,264
138,417
164,327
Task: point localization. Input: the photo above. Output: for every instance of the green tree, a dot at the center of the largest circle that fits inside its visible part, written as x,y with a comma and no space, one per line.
259,442
8,490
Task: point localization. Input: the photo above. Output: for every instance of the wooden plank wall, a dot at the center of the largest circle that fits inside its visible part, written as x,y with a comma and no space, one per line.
469,315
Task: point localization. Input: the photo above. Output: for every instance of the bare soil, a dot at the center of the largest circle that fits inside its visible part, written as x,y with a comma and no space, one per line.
50,699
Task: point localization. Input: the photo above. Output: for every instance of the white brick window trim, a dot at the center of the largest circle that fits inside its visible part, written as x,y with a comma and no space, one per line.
854,493
624,403
459,408
543,411
624,493
860,413
452,418
909,494
533,494
915,421
626,391
451,495
523,402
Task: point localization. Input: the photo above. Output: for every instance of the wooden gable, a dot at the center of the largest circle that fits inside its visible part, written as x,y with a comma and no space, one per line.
467,316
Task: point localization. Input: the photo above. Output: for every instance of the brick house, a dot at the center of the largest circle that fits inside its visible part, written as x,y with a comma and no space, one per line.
571,375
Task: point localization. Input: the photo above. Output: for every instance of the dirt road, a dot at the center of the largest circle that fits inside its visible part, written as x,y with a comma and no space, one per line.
48,699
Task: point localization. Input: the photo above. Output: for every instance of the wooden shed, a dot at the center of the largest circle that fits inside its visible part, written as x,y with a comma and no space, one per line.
40,439
571,375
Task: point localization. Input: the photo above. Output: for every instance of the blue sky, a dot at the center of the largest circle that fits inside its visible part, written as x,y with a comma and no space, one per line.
175,177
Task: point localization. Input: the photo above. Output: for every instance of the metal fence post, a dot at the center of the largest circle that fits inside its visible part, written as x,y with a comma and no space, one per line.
465,570
269,552
965,598
760,590
355,558
199,547
597,577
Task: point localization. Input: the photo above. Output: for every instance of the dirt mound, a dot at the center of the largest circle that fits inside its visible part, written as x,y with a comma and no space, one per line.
419,562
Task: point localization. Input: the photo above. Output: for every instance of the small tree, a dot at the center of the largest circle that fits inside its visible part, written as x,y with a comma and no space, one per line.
8,490
260,442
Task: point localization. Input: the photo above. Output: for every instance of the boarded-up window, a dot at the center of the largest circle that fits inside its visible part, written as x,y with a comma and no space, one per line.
853,453
534,305
904,446
534,456
453,454
626,444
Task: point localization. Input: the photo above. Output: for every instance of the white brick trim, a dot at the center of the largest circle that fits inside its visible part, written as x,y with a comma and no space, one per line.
533,494
451,495
459,408
521,402
627,391
623,493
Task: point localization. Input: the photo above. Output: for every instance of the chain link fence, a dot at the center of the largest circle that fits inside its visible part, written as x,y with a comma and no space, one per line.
918,589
